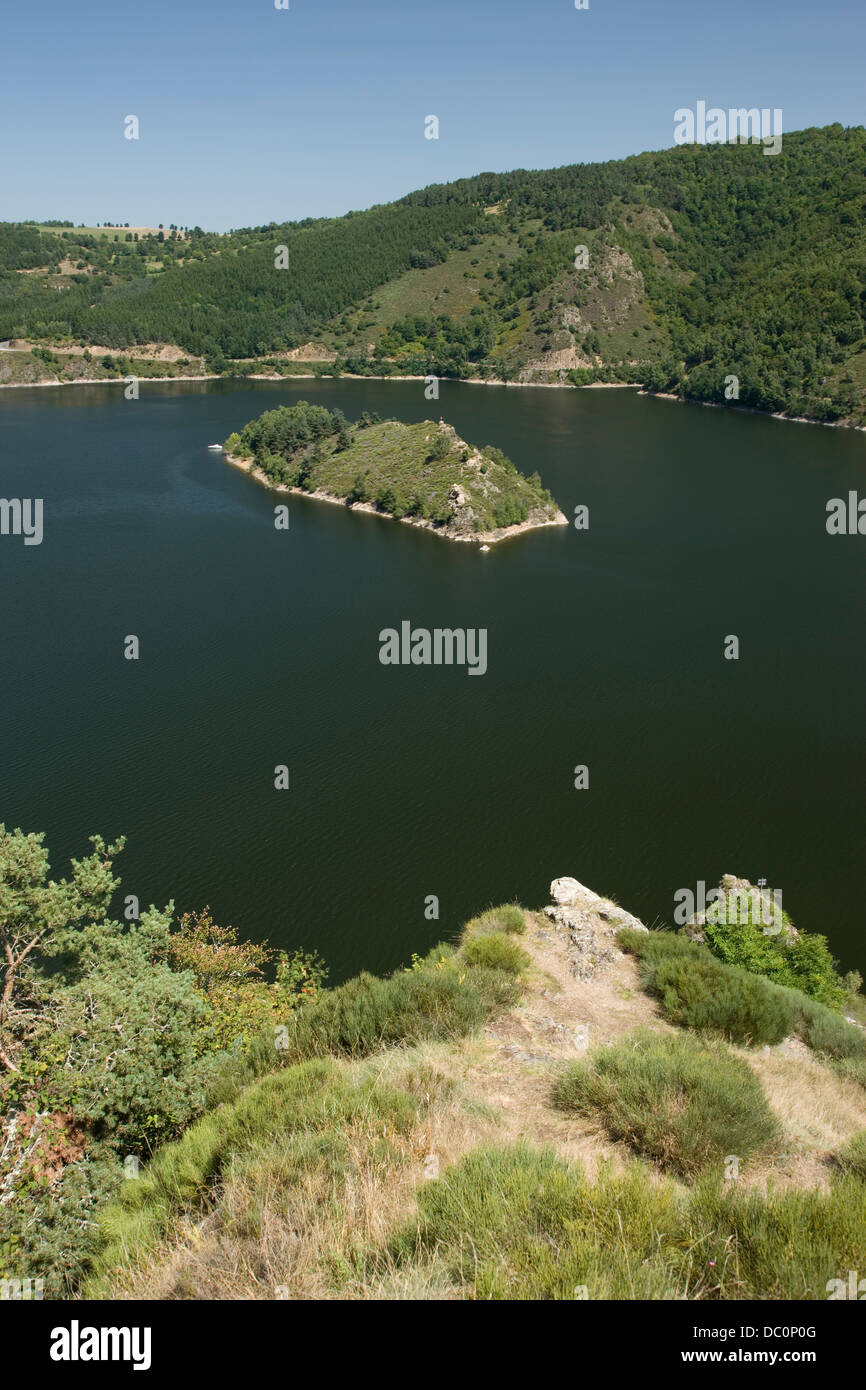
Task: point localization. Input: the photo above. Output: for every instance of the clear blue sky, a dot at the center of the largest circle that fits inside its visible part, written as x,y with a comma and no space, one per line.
251,114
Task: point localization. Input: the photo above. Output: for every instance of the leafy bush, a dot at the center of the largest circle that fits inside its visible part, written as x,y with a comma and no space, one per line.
93,1018
735,933
359,491
440,447
282,432
497,951
50,1232
682,1102
111,1033
120,1044
511,511
386,499
230,979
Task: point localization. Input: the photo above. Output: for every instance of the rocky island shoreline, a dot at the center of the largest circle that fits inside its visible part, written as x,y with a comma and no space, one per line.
424,474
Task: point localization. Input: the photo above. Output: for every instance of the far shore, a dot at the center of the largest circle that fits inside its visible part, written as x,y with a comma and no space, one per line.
463,381
324,376
112,381
504,533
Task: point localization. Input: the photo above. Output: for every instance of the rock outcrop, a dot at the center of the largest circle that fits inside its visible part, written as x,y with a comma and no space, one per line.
591,923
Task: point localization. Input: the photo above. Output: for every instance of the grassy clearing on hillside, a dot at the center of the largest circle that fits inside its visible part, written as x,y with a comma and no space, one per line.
24,367
452,287
323,1171
684,1103
290,1126
109,233
316,1198
319,1183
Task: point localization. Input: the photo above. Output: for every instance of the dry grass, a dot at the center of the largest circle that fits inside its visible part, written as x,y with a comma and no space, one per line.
268,1236
267,1233
818,1111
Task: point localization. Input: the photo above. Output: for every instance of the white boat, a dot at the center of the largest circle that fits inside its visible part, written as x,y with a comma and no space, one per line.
216,446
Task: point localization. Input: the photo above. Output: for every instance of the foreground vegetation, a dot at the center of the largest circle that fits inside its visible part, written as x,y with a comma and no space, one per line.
703,263
423,472
190,1116
521,1223
111,1033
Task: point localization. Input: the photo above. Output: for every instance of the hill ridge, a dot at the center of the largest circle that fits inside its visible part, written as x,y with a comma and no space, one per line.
706,271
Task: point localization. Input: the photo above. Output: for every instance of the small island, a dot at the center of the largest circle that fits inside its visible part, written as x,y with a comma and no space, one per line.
423,474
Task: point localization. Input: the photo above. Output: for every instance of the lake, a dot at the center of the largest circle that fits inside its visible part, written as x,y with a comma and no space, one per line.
605,648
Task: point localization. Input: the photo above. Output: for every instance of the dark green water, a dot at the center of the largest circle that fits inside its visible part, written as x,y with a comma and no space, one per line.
605,647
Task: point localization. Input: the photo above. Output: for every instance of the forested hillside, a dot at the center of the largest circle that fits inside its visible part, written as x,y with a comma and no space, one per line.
702,264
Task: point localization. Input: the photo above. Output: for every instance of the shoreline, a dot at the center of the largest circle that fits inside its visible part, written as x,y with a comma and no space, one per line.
476,538
463,381
752,410
110,381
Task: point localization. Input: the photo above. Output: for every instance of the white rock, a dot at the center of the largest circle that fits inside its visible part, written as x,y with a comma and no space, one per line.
570,893
567,891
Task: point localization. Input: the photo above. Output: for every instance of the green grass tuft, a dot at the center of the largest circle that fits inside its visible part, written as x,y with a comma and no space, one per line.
497,951
851,1159
521,1223
704,995
509,917
682,1102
